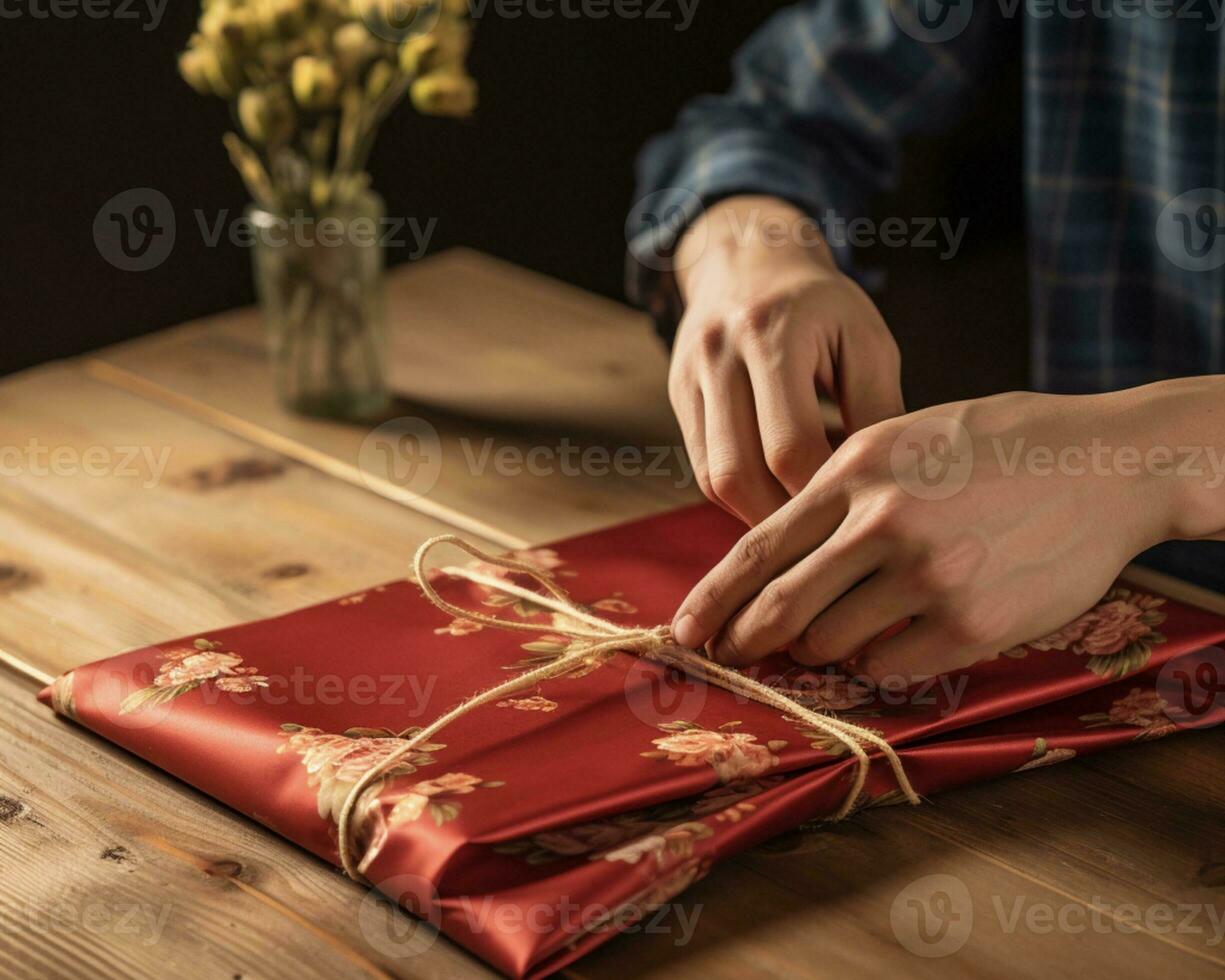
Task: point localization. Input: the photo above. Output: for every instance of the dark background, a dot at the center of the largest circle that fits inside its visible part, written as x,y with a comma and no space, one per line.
542,176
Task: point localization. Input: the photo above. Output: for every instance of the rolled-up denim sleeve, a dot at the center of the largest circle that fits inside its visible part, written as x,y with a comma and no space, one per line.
822,95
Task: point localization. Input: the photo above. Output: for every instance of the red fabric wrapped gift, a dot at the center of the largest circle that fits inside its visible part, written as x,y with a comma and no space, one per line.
533,829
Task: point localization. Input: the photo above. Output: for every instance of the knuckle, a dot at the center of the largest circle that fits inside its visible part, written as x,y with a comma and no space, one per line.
752,552
790,458
777,600
885,518
711,340
862,452
749,321
727,485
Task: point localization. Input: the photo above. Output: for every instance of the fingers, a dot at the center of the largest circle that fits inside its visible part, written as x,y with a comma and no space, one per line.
691,416
757,558
922,650
869,379
854,621
739,479
783,610
792,434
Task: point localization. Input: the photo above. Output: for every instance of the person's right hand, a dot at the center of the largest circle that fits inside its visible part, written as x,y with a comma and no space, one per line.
768,321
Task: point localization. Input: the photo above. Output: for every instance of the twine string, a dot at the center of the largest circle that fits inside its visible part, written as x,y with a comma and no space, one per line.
596,638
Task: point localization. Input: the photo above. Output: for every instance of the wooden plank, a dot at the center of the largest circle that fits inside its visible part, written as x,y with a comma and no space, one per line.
97,555
110,868
836,904
497,360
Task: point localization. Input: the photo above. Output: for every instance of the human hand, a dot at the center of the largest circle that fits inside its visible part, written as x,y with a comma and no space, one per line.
983,523
768,320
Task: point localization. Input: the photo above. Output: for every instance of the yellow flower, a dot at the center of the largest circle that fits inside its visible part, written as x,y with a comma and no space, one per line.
210,68
443,47
266,115
444,93
315,82
354,46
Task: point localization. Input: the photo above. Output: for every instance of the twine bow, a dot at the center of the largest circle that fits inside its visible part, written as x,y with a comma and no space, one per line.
595,637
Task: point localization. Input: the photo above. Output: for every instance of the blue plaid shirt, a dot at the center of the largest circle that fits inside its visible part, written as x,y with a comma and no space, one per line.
1124,161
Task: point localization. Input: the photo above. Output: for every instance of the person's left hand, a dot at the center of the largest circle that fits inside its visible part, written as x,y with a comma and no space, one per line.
985,523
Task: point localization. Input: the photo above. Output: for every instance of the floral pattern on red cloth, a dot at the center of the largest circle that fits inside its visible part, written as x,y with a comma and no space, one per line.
731,754
1118,634
186,668
1143,709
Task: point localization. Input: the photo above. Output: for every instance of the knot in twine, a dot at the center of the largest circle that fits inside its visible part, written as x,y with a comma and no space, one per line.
596,637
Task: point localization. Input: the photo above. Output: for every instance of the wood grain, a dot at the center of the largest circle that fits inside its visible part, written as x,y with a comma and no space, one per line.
87,886
533,388
1064,843
92,564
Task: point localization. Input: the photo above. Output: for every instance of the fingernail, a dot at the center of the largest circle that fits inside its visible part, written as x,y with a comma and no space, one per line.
687,631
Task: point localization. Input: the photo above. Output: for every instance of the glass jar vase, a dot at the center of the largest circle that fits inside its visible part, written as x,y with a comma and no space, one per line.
319,280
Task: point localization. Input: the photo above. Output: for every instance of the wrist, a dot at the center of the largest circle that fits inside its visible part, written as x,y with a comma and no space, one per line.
743,234
1173,434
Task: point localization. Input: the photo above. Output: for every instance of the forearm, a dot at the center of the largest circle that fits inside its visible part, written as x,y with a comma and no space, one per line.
1173,434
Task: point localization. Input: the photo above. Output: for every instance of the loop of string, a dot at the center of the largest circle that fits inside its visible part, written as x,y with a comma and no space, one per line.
595,638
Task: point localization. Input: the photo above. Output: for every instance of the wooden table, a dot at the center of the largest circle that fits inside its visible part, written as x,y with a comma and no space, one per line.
108,867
